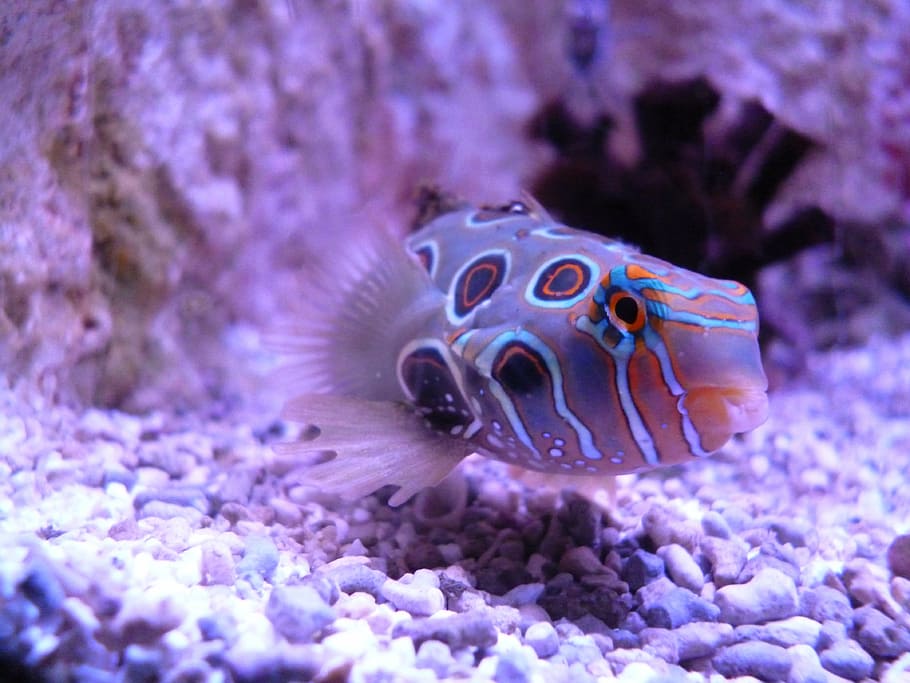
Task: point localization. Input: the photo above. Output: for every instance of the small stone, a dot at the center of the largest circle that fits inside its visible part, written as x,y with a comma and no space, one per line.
701,639
642,568
879,634
543,639
580,562
770,594
785,633
847,659
218,626
625,639
525,594
665,527
581,648
416,598
831,632
806,666
661,643
356,577
679,606
727,558
824,603
260,557
514,666
715,525
217,564
899,671
682,567
899,556
435,656
761,660
471,629
298,612
42,587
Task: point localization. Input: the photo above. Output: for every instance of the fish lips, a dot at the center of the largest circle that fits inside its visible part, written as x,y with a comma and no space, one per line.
717,413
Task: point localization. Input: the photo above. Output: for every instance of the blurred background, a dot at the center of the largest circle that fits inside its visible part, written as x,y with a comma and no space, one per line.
168,169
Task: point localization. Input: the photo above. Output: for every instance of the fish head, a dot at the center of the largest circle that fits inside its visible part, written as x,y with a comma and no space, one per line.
617,365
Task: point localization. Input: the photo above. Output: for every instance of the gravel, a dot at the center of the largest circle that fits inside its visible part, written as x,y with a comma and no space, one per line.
179,547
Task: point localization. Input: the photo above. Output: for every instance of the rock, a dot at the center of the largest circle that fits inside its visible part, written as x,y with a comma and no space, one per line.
847,659
715,525
353,577
831,632
682,567
42,587
514,666
217,564
806,666
661,643
761,660
824,603
701,639
542,638
298,612
260,557
666,527
677,607
581,561
642,568
879,634
435,656
580,648
472,629
785,633
771,594
624,639
418,597
899,556
727,558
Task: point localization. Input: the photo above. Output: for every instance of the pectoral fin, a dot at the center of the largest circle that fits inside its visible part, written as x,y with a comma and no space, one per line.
376,443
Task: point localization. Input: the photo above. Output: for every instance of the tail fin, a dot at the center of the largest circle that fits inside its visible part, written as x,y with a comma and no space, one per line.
376,443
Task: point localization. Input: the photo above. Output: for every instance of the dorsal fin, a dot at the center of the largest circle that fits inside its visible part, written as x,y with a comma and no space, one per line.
355,314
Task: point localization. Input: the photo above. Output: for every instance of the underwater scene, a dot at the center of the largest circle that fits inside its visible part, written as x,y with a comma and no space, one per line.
527,341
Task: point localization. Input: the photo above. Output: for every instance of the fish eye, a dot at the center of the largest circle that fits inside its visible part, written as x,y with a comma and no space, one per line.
626,310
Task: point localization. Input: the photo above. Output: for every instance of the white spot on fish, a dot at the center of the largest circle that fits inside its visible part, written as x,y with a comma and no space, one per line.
559,442
494,440
555,452
449,398
456,430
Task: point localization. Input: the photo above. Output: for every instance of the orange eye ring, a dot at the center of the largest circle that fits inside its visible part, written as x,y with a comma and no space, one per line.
626,311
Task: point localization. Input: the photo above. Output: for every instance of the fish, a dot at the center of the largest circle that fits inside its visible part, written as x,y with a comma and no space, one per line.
499,331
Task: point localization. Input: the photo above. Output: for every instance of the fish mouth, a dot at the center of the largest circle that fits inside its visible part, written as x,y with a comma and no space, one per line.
717,413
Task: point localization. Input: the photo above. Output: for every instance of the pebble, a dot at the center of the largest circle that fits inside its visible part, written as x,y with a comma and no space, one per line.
217,564
715,525
419,598
727,558
355,577
260,557
542,638
682,567
806,666
847,659
298,612
899,556
700,639
761,660
770,594
879,634
42,587
435,656
679,606
824,603
641,568
515,666
471,629
796,630
580,648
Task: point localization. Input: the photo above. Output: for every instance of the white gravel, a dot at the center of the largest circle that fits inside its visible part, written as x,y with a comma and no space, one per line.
182,548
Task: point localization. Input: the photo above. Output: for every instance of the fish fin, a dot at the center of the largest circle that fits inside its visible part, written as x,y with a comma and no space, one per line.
376,443
353,316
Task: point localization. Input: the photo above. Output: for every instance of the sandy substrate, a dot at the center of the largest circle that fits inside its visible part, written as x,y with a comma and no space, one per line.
181,548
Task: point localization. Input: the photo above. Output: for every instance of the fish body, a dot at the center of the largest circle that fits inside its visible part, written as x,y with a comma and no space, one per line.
505,333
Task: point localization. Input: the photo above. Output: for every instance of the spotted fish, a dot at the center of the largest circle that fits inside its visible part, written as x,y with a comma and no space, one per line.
504,333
